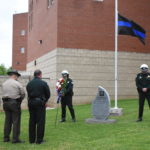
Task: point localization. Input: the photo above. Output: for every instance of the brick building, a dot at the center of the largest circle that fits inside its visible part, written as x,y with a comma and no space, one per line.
78,35
20,30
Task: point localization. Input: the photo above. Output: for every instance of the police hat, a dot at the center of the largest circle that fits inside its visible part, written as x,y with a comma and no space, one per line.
144,66
65,72
11,72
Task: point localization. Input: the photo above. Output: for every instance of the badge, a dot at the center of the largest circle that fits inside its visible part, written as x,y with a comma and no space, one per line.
140,77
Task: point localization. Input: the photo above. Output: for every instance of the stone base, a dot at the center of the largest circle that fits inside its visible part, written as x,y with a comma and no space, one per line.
98,121
116,111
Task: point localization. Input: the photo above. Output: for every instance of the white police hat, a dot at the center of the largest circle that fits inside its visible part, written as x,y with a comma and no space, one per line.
64,72
144,66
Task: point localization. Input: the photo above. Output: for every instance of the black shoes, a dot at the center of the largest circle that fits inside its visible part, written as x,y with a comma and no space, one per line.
17,141
6,140
62,120
40,142
14,141
74,120
139,120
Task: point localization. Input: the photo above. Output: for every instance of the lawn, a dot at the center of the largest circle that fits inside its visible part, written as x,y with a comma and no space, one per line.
125,134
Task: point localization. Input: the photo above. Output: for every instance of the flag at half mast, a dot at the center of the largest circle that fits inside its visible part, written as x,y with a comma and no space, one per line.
129,27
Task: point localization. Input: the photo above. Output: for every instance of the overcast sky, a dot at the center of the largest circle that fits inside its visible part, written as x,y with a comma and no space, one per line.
7,9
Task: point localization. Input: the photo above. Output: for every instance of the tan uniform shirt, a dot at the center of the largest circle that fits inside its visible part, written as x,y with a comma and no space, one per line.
12,89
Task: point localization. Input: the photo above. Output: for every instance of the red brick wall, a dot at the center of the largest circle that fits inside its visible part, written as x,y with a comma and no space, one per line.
84,24
20,22
44,27
90,25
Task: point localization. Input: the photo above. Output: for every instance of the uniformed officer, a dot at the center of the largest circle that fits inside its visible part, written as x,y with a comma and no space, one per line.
143,88
66,99
38,94
13,94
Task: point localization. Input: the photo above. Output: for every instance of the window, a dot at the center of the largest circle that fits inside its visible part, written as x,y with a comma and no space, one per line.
30,21
40,41
22,50
17,63
49,3
23,32
30,15
31,6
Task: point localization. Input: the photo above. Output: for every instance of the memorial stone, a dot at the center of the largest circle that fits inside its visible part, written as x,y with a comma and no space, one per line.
101,108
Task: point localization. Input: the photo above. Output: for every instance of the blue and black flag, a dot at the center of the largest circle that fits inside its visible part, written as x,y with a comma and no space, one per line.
129,27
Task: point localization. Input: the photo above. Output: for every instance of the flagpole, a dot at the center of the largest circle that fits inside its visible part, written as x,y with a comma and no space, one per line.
116,53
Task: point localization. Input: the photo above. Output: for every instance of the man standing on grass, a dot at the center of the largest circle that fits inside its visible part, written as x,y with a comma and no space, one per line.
38,94
143,88
13,94
66,99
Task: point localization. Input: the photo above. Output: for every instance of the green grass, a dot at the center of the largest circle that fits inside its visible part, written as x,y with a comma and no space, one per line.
125,134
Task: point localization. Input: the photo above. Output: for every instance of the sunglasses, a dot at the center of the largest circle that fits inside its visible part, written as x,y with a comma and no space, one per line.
144,68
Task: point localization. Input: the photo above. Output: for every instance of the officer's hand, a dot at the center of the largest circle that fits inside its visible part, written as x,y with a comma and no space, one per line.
144,89
62,93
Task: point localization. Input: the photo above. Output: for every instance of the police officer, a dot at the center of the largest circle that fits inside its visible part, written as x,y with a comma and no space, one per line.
38,94
66,99
143,88
13,94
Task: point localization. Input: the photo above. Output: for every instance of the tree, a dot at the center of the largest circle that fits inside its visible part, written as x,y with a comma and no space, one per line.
3,70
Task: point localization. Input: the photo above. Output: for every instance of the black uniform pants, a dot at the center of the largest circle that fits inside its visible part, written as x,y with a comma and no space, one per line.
142,97
67,101
12,119
36,123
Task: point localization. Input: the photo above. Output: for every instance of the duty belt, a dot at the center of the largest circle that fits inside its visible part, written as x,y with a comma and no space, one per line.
9,99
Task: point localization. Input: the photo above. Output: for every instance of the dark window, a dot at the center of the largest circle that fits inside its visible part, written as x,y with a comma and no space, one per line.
49,3
30,15
30,21
31,6
40,41
17,63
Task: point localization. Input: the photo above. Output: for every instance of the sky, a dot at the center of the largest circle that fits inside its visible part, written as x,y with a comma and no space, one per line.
7,9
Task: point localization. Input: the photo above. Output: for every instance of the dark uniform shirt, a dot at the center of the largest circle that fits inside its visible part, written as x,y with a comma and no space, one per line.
38,88
143,81
66,100
69,88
